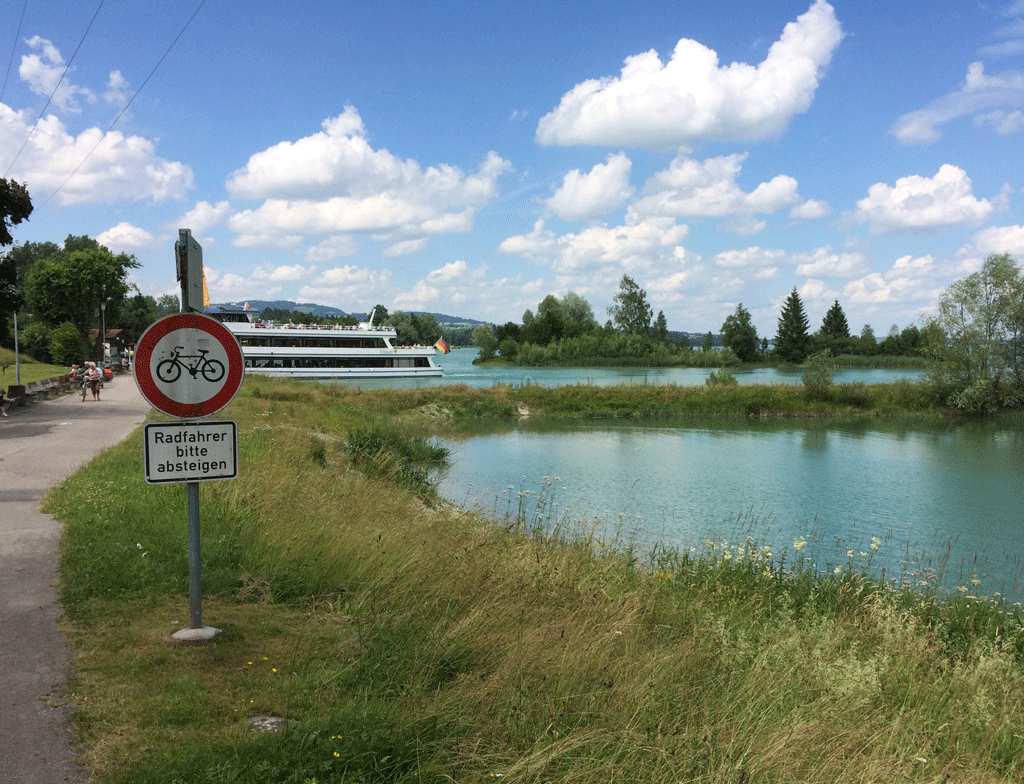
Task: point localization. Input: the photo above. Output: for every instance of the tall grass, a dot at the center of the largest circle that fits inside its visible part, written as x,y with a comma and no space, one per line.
417,642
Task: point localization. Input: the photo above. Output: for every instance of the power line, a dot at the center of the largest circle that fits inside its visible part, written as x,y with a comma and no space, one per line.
14,46
57,87
130,102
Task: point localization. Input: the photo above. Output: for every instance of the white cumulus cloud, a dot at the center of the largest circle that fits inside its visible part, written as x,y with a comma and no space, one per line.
749,258
691,97
332,248
810,209
596,193
124,237
1001,239
202,217
918,203
284,272
42,71
640,245
825,263
349,284
334,182
708,188
91,168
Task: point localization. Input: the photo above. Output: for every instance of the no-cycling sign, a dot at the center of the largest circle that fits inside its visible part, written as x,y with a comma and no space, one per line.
189,366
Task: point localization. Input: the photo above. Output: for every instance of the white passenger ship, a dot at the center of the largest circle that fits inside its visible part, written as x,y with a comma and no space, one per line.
324,351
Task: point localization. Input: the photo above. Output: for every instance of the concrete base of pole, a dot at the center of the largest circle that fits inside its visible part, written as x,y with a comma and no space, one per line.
196,636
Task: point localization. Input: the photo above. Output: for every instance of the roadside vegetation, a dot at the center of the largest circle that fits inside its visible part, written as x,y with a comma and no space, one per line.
407,640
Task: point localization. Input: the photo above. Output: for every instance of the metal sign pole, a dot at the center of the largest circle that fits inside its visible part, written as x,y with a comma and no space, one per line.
190,274
195,584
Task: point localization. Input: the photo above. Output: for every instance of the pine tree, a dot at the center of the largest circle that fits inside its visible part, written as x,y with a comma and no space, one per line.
791,338
834,324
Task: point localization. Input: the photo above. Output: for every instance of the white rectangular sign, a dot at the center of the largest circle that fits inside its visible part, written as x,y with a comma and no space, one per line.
191,451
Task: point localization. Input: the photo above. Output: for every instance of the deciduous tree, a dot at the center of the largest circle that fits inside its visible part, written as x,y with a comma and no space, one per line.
72,284
484,339
578,315
740,334
631,312
15,207
982,359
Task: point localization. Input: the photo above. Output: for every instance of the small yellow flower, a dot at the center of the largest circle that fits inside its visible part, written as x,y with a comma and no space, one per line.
336,754
273,669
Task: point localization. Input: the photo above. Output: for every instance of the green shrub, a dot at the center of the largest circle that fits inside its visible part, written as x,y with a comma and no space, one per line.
856,394
818,374
722,377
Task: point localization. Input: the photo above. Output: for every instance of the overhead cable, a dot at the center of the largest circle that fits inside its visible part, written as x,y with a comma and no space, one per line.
131,100
57,87
14,46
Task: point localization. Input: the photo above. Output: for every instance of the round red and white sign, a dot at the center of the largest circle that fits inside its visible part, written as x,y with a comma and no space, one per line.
188,365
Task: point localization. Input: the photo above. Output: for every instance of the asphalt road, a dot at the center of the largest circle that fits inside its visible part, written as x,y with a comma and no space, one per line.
40,445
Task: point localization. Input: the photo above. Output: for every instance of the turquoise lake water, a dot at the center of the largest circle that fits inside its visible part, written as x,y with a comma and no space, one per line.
944,496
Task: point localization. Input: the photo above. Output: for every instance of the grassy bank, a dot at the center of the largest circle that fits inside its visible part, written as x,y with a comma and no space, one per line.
31,370
409,641
435,406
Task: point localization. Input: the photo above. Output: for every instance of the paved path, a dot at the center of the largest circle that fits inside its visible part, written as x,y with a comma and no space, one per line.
39,446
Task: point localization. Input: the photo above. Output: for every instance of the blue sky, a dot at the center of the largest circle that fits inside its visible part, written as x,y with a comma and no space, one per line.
471,159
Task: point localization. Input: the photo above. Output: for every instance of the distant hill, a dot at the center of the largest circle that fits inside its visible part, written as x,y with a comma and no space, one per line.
327,310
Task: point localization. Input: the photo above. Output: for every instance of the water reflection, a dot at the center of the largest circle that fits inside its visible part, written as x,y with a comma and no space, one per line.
930,490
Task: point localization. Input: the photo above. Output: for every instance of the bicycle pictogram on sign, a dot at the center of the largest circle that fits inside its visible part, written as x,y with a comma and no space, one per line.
188,365
169,370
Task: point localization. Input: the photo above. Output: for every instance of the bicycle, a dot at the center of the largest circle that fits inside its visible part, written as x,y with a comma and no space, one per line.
169,370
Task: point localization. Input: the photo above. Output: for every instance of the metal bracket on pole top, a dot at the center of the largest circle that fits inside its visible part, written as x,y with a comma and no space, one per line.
189,256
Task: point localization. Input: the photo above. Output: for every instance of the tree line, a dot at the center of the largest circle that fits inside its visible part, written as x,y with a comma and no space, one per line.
565,330
973,346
